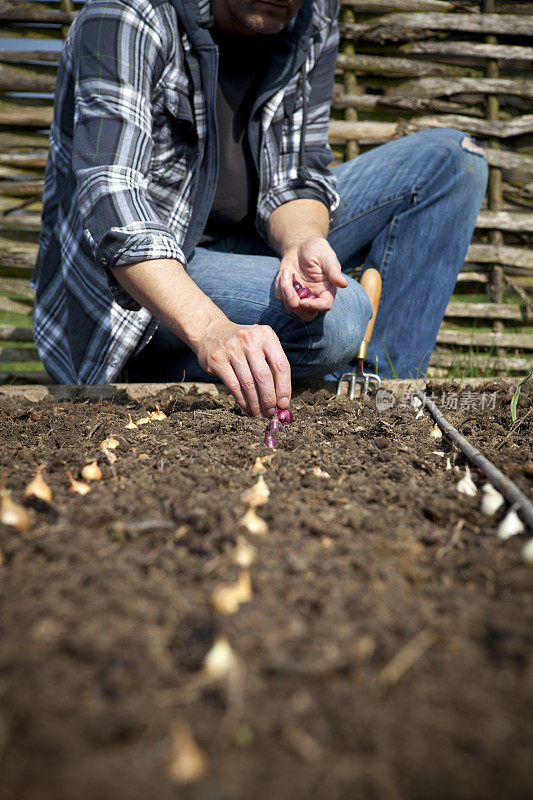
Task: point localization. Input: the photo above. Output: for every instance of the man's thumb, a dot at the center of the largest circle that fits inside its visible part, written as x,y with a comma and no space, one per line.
340,281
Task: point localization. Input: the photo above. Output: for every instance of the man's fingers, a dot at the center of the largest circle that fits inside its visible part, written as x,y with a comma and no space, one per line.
321,303
281,372
277,289
229,378
289,295
247,383
264,382
333,271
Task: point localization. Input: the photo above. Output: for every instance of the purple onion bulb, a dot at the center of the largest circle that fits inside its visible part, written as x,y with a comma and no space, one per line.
302,291
285,415
270,440
274,426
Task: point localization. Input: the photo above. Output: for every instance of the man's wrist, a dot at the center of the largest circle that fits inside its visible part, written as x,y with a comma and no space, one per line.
296,222
298,240
200,331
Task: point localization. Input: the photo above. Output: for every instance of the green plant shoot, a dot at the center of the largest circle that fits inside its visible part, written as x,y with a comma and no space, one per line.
516,395
391,365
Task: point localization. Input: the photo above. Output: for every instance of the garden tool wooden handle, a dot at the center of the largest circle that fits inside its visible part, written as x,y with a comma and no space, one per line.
371,283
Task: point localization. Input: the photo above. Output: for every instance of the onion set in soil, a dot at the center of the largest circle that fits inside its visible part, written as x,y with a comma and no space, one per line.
254,524
91,472
282,416
110,443
227,597
77,486
258,494
187,763
244,554
39,488
12,513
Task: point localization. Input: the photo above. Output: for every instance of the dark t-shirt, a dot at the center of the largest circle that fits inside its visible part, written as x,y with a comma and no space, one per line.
241,67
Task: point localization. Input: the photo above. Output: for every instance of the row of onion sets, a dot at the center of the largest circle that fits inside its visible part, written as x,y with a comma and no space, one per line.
282,416
16,515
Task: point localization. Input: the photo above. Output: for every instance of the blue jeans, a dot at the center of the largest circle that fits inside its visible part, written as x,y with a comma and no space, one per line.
411,208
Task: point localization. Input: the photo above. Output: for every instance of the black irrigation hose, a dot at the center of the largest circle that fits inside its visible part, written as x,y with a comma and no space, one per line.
510,490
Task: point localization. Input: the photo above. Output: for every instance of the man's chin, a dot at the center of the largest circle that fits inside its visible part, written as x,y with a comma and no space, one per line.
270,19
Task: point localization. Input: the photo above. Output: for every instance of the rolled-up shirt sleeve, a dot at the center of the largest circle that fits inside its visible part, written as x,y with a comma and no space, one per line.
119,60
293,180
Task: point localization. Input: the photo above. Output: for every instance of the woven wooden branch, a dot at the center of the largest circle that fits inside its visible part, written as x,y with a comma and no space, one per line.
500,130
30,12
472,339
505,221
370,6
14,263
11,354
26,56
19,222
25,116
23,141
9,333
25,79
448,359
507,159
384,131
432,87
404,102
381,65
21,188
476,49
17,288
15,306
488,311
528,300
12,173
18,31
500,254
469,276
395,25
24,160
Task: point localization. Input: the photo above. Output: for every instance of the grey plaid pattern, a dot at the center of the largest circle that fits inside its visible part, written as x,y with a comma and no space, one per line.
127,138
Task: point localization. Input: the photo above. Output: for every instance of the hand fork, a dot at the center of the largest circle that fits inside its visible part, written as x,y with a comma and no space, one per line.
371,283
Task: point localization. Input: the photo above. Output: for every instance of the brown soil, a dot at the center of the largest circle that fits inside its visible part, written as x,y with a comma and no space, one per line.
386,652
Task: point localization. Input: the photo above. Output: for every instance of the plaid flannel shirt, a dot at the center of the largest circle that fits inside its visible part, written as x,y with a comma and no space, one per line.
127,144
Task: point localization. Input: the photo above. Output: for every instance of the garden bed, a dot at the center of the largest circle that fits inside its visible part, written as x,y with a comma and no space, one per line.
385,653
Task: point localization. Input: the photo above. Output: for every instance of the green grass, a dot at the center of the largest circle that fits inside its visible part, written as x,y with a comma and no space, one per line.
475,367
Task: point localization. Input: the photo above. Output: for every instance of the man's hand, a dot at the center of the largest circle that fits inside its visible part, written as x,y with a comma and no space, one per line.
249,359
314,264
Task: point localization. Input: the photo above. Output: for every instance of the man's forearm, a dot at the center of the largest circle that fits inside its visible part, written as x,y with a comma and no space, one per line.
249,359
296,222
164,288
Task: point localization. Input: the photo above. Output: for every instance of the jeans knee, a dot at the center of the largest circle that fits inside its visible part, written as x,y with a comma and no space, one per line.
475,167
462,170
469,161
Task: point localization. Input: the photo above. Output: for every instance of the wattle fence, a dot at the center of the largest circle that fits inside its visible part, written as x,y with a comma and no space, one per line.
403,66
